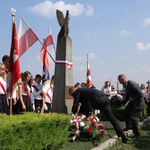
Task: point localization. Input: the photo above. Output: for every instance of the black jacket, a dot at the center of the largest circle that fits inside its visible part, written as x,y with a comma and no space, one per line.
133,90
90,100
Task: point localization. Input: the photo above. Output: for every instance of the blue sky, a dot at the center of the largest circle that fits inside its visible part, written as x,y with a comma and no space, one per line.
115,34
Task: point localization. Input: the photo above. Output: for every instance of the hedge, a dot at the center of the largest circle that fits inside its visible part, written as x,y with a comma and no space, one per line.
34,131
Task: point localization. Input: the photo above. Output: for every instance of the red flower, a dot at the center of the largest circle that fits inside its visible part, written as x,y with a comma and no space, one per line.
92,118
94,123
101,126
89,130
85,119
103,131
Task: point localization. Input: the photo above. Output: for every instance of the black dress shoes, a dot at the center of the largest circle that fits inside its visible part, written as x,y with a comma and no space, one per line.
124,139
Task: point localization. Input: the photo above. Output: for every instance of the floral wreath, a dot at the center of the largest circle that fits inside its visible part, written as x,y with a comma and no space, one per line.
86,128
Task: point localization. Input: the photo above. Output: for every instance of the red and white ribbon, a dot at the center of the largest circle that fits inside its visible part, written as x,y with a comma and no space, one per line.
69,64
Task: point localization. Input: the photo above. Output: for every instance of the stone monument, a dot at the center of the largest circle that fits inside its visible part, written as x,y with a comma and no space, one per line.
63,67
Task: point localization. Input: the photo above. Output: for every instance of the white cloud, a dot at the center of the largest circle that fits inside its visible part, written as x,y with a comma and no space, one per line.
141,47
89,11
124,33
48,9
146,22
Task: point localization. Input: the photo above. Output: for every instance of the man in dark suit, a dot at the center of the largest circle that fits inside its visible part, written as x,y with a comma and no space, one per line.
90,99
136,103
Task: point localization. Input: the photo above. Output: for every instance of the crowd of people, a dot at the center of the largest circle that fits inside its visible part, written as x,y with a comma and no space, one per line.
28,96
133,96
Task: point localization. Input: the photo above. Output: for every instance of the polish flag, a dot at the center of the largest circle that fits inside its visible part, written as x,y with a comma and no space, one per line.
26,37
89,80
43,53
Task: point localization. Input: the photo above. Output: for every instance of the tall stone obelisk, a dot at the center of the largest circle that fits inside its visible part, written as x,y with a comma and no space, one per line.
63,72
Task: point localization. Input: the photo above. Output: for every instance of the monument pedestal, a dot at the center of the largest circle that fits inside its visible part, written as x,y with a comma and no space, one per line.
63,76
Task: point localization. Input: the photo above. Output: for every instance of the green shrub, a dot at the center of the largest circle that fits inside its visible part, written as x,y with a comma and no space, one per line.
34,131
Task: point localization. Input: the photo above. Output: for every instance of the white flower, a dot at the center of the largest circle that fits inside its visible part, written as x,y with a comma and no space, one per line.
97,119
71,121
82,124
83,116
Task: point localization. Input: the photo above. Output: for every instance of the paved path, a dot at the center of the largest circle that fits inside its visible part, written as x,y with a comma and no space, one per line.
110,142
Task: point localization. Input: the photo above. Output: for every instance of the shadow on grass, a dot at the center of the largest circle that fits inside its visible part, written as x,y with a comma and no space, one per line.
141,143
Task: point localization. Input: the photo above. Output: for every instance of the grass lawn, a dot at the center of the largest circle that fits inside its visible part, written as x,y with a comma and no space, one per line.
80,145
133,144
143,143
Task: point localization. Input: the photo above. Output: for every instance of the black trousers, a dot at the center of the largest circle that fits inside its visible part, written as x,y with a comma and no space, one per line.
4,108
38,103
49,106
107,110
131,116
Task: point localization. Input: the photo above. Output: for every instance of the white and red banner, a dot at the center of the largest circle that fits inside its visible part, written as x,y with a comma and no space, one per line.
89,80
43,53
26,37
65,62
44,57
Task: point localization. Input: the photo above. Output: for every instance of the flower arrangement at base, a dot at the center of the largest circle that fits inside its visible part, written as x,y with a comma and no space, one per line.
86,129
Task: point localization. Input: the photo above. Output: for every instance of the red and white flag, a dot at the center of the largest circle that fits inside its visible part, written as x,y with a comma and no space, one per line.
43,53
26,37
44,57
14,64
89,80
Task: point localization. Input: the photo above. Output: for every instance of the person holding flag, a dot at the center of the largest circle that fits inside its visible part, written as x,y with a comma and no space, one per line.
5,60
14,64
47,88
48,97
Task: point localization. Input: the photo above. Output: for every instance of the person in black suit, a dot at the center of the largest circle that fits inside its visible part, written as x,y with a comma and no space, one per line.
136,104
90,99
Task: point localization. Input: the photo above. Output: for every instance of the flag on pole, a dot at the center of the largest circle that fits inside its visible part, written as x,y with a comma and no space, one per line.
43,54
26,37
44,57
14,64
89,80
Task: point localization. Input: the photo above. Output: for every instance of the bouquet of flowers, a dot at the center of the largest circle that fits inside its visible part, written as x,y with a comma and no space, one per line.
86,129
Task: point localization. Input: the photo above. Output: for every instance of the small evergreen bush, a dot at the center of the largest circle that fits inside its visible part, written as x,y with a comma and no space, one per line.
34,131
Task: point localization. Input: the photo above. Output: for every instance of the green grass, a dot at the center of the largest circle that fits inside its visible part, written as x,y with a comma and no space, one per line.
133,144
143,143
